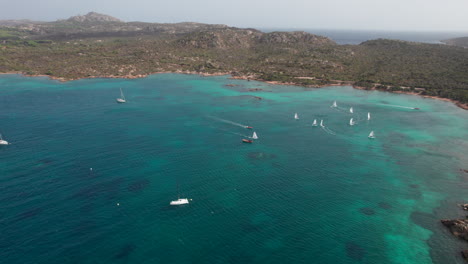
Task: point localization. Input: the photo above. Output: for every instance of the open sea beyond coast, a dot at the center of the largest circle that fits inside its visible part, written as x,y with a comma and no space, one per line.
298,194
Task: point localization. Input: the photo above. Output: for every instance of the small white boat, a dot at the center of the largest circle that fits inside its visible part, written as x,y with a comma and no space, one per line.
351,110
368,116
3,142
351,122
314,123
371,135
296,116
254,136
334,104
179,201
321,123
121,100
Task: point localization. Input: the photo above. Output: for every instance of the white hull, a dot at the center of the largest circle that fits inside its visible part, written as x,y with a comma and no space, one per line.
120,100
3,142
296,116
180,201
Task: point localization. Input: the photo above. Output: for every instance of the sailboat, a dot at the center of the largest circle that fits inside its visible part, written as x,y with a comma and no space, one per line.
314,123
371,135
321,123
179,201
334,104
351,122
351,110
368,116
254,136
296,116
121,100
3,142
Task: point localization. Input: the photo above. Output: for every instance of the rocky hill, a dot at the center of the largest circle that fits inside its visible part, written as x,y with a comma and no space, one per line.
461,42
99,45
92,17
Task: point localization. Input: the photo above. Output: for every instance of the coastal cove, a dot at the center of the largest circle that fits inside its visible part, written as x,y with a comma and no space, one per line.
248,78
298,193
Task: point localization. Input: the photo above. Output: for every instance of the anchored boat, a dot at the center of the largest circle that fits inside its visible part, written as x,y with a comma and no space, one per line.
3,142
121,100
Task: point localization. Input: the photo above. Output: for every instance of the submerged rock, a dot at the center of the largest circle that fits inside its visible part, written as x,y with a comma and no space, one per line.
355,251
465,254
367,211
458,227
385,205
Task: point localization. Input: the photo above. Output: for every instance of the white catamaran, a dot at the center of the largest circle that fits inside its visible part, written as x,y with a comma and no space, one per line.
254,136
351,110
296,116
179,201
371,135
314,123
334,104
321,123
3,142
351,122
368,116
122,98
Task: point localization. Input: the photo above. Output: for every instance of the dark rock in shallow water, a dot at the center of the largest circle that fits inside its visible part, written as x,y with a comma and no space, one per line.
385,205
138,185
465,254
27,214
367,211
458,227
125,251
355,251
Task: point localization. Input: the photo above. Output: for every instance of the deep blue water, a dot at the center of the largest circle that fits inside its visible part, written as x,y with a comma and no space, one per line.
355,37
298,194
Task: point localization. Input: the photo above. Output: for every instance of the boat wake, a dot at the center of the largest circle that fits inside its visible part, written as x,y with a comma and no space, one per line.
399,106
227,121
328,131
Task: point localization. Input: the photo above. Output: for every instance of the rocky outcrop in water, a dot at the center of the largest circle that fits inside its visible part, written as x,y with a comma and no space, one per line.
458,227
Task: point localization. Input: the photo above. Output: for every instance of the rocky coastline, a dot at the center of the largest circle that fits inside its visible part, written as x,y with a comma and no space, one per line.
244,77
459,228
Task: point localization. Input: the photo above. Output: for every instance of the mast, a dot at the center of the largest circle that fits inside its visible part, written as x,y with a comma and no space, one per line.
121,94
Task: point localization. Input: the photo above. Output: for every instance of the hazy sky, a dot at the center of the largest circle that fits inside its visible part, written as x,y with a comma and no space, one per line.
437,15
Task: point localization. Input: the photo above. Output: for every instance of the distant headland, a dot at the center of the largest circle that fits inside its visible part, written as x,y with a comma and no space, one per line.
97,45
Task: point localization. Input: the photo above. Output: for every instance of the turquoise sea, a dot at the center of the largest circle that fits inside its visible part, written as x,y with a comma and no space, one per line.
298,194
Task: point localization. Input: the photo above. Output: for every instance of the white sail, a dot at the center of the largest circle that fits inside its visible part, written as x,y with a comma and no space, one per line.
254,136
315,122
321,123
334,104
296,116
122,97
351,110
122,94
371,135
368,116
351,122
